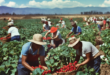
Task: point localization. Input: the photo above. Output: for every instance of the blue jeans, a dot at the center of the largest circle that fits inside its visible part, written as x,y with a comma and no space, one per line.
15,38
95,64
99,27
24,71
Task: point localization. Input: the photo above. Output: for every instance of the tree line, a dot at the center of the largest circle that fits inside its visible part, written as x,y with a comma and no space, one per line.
94,12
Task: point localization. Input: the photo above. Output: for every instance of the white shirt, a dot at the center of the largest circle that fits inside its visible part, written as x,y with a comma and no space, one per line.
63,23
57,34
87,23
87,47
47,27
52,41
49,23
13,31
57,24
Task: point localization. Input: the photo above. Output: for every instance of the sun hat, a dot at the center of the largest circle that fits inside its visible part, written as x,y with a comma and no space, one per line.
10,24
53,29
38,39
88,20
9,19
60,21
48,19
73,41
76,22
73,23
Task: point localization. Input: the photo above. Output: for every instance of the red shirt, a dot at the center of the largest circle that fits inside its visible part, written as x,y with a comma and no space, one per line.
104,22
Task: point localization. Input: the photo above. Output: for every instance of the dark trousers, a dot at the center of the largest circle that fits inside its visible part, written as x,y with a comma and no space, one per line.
95,64
24,71
15,38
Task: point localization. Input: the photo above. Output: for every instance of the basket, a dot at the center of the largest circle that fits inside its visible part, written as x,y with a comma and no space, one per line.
66,73
98,40
5,40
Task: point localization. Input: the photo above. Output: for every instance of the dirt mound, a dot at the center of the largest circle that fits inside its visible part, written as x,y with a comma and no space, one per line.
105,69
27,17
98,40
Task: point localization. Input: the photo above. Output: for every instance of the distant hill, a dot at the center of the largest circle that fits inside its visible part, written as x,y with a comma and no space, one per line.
76,10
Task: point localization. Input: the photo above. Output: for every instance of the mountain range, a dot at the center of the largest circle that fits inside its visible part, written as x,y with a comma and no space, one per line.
75,10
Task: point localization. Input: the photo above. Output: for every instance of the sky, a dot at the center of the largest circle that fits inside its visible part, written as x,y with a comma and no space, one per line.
54,3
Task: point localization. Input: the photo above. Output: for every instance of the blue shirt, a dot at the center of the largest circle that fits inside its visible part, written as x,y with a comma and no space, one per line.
26,47
76,30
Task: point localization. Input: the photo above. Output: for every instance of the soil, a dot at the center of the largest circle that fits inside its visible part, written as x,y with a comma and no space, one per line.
98,40
48,16
105,69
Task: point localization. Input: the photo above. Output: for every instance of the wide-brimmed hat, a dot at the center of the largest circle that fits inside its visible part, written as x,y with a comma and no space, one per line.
10,24
73,23
38,39
76,22
9,19
88,20
73,41
53,29
48,19
60,21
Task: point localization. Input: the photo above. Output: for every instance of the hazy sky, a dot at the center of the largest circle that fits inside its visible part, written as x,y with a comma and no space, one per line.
55,3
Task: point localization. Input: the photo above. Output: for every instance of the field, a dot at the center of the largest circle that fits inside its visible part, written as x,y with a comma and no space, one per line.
10,51
50,16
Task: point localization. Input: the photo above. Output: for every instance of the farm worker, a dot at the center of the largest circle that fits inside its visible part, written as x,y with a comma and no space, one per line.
49,22
71,20
62,24
58,25
56,37
88,51
10,20
104,23
95,20
85,19
30,53
109,22
13,32
46,26
88,22
76,29
100,24
43,20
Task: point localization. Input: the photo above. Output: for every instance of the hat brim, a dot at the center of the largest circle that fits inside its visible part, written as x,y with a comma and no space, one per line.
39,43
72,45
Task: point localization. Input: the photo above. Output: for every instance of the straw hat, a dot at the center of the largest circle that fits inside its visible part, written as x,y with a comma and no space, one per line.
76,22
60,21
38,39
88,20
48,19
10,24
9,19
73,41
73,23
53,29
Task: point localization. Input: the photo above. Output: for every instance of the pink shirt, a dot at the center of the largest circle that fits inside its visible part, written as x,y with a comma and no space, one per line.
104,22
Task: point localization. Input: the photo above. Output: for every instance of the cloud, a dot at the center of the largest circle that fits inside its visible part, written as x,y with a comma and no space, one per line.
23,6
1,1
107,1
55,4
103,5
11,4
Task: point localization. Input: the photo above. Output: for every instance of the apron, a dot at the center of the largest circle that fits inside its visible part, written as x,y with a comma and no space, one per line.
32,61
32,57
